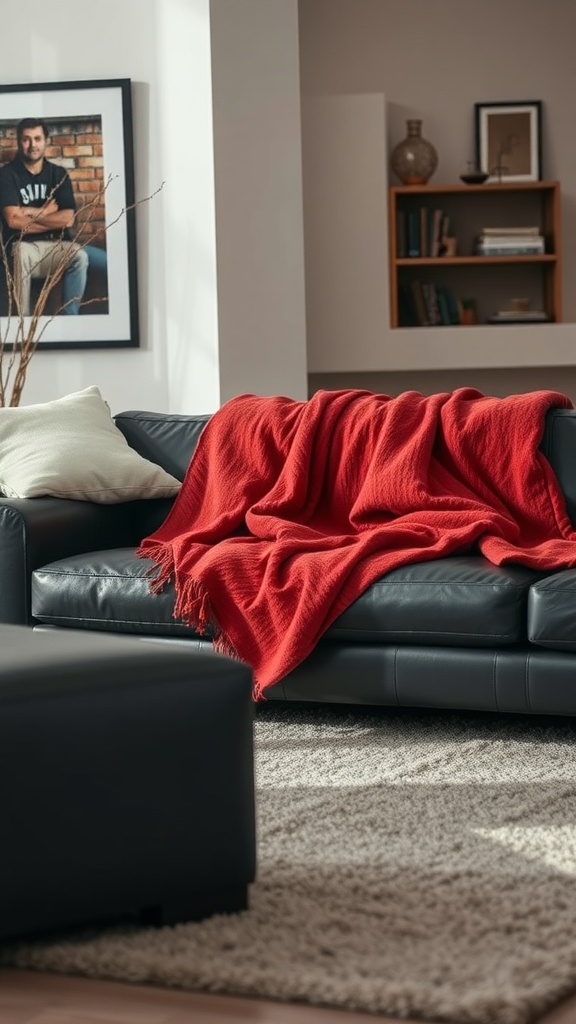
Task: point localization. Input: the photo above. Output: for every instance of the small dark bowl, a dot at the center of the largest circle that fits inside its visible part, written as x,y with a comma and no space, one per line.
474,178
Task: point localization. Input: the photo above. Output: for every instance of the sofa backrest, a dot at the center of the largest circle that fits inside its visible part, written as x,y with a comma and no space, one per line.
163,438
559,447
169,440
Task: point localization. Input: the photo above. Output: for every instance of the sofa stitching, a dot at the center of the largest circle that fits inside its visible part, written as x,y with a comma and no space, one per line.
549,585
122,622
92,575
495,584
494,679
381,630
544,641
396,676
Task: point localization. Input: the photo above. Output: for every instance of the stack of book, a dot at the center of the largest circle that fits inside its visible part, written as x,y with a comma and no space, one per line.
526,241
519,316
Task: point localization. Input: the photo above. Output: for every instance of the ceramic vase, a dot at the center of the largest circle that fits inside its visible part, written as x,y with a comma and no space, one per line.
414,159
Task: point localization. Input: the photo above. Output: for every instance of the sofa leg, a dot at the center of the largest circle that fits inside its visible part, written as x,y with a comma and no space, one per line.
223,900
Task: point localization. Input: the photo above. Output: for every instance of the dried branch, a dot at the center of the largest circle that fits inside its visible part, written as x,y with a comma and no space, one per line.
507,144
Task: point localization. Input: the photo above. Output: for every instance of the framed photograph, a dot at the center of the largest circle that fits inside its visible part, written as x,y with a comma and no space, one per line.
68,145
508,140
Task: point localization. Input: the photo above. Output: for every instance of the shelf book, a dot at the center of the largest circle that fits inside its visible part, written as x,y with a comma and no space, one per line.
419,232
425,304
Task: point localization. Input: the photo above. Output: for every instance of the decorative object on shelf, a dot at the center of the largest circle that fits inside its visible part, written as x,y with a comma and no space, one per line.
449,246
519,312
414,160
468,312
510,316
508,140
474,175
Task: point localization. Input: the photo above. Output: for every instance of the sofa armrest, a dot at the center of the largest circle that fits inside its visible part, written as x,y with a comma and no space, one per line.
34,531
148,516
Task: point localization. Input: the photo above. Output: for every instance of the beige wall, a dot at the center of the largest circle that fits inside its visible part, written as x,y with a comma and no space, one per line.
434,59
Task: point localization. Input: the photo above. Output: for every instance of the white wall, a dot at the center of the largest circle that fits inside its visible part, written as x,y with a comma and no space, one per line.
179,278
259,214
56,44
164,46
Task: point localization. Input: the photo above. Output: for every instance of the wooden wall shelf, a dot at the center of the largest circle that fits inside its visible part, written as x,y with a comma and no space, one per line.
491,281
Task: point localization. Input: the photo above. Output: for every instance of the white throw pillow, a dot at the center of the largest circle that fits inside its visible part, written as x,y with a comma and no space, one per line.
71,448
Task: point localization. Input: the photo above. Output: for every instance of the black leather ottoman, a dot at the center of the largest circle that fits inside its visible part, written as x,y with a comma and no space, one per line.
126,781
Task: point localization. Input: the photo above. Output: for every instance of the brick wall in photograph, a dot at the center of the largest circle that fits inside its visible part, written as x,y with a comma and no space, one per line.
76,144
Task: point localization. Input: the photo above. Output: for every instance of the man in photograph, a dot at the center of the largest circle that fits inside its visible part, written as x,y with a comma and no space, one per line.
38,209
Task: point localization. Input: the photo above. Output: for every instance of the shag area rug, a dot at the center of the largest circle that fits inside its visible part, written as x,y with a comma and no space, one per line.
419,864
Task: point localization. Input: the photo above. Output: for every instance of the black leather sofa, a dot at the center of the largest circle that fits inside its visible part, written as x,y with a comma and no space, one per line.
453,633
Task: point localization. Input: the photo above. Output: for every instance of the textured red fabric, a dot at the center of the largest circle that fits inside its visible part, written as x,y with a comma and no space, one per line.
289,510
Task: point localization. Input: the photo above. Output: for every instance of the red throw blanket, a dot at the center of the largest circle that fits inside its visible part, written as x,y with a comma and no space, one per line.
290,510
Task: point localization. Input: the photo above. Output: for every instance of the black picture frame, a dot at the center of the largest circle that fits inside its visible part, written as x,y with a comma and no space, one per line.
90,124
509,140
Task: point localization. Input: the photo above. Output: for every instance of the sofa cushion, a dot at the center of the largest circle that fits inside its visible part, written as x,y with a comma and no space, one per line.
463,600
104,590
71,448
551,617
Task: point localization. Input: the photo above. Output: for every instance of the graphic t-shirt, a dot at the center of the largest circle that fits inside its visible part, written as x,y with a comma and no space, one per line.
18,187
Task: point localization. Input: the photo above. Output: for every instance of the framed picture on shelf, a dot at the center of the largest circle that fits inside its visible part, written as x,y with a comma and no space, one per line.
68,146
508,140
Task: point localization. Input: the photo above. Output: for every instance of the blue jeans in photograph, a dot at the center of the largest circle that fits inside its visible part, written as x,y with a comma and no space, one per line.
90,257
33,260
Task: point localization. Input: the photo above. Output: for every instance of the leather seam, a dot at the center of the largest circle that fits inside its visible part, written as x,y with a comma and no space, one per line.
91,575
544,641
120,622
396,676
419,632
500,585
549,587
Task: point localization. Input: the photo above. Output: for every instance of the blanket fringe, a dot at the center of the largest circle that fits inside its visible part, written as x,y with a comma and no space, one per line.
223,645
163,567
193,606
